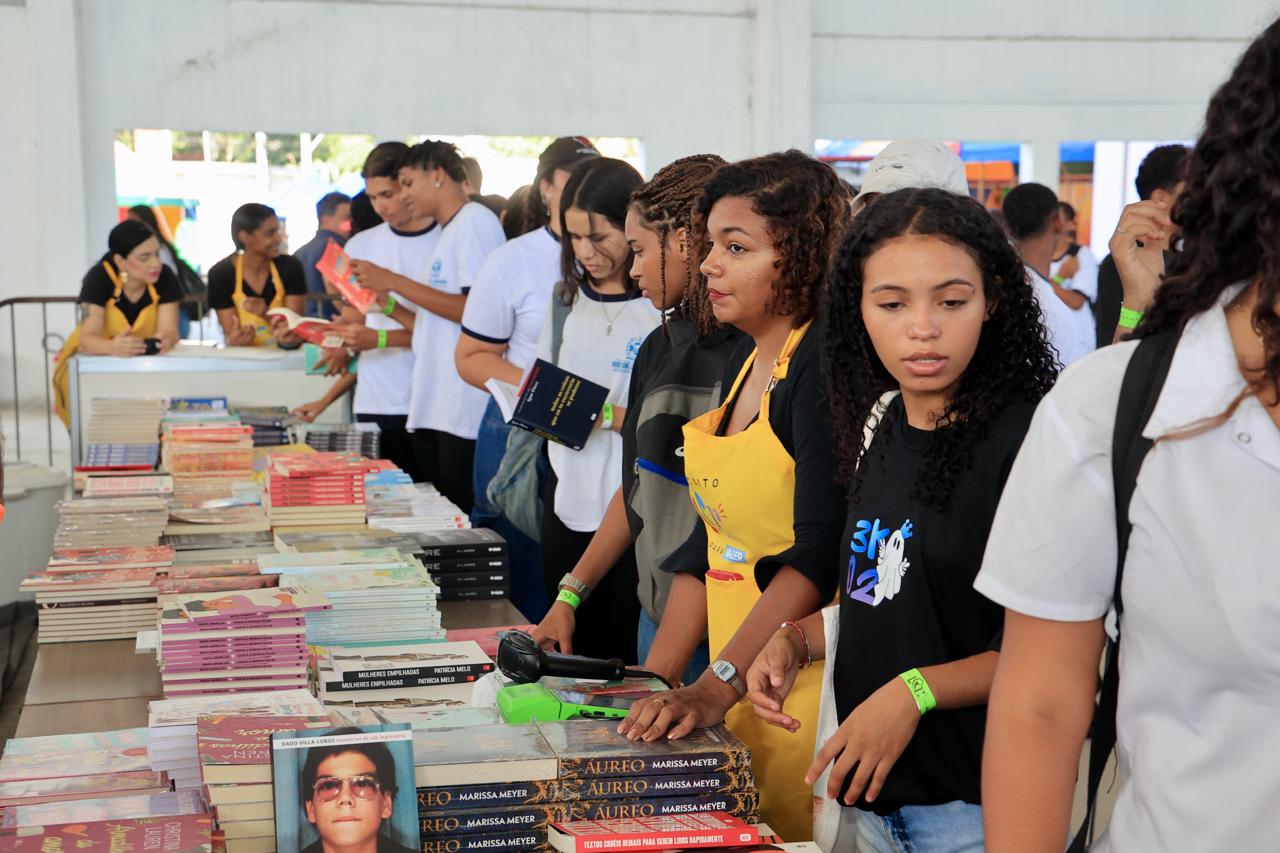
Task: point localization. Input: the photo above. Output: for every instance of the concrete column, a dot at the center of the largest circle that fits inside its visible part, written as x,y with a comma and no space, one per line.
1046,164
782,76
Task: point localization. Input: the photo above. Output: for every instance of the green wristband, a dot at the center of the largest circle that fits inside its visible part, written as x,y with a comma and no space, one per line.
382,339
391,304
1129,319
919,691
569,597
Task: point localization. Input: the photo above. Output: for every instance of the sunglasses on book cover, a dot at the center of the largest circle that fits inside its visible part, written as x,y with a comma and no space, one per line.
363,787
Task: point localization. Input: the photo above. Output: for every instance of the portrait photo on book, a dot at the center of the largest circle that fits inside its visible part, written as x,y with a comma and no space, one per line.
345,789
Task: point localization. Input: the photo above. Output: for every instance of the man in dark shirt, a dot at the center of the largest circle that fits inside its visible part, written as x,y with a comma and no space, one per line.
1159,179
333,215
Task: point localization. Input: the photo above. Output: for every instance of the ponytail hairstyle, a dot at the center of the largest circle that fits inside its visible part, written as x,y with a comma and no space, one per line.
248,217
602,186
127,236
1012,363
1229,214
665,205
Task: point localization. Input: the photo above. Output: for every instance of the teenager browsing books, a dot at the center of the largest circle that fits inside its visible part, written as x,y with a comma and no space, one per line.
244,286
761,469
607,320
1194,706
676,377
926,297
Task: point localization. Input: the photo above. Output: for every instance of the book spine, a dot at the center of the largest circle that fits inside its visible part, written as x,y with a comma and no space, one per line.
662,840
501,794
502,843
708,762
471,593
388,683
524,819
745,805
458,672
444,555
660,785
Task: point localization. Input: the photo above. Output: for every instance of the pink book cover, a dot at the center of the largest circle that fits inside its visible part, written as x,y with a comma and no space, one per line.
202,607
335,266
212,570
191,669
232,689
173,834
179,624
240,739
188,680
14,768
233,650
80,787
182,586
74,742
106,808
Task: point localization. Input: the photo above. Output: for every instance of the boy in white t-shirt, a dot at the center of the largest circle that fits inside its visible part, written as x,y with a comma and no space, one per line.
404,244
444,411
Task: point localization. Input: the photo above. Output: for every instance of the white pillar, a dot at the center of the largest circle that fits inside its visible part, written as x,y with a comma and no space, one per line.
782,76
1046,164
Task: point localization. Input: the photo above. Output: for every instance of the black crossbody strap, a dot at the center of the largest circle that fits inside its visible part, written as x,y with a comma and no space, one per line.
1143,379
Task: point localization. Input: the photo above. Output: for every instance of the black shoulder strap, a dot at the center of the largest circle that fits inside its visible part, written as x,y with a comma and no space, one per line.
1143,380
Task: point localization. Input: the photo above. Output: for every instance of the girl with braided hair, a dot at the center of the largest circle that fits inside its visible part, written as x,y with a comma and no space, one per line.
677,376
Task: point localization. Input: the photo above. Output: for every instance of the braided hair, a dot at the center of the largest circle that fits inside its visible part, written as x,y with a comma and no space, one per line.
665,205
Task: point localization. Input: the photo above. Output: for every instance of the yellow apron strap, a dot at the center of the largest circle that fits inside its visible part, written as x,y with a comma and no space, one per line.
259,323
278,299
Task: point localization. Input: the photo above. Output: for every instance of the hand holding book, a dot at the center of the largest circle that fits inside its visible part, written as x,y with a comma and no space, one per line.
339,270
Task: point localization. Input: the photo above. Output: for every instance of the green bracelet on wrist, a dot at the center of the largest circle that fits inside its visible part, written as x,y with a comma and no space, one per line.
919,691
382,339
391,304
570,598
1129,319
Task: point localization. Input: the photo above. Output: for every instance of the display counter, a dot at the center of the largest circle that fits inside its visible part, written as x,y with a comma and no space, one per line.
246,376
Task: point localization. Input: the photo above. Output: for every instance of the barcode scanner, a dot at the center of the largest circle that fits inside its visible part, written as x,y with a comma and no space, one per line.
521,659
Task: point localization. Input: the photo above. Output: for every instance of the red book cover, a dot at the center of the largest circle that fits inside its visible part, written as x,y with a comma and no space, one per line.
335,266
181,586
712,829
105,808
238,739
175,834
84,559
15,768
105,578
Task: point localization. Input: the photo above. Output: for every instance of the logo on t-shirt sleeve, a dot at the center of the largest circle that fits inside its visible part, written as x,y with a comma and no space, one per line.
875,585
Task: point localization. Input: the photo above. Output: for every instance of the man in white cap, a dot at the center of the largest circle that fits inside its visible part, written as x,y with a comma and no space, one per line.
912,164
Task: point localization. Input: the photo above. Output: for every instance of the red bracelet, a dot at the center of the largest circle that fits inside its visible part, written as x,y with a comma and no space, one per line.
804,641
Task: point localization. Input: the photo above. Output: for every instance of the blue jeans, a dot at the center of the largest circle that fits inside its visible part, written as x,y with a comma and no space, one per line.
954,827
648,629
491,444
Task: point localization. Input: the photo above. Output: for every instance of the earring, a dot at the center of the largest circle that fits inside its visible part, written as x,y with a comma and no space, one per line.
124,277
437,185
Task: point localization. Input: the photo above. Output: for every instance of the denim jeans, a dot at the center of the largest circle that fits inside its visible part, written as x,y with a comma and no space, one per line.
954,827
648,629
491,444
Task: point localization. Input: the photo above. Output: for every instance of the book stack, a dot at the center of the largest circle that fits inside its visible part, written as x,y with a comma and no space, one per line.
235,768
248,640
691,831
363,438
349,538
109,808
189,833
171,725
218,448
315,489
421,509
404,673
501,787
466,564
127,485
101,604
377,595
242,512
213,577
272,425
134,456
111,522
123,430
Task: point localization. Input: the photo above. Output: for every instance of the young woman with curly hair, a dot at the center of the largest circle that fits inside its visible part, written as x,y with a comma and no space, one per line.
926,298
1199,652
677,376
761,468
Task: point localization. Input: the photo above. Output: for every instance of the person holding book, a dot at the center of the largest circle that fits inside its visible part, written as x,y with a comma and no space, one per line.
500,327
761,470
677,376
927,302
444,411
257,278
348,791
404,244
606,322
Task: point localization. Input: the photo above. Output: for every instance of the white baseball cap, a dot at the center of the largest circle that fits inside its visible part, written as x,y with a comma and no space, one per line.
915,164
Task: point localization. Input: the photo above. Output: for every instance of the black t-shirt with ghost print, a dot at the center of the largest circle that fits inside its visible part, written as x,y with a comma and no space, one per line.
907,599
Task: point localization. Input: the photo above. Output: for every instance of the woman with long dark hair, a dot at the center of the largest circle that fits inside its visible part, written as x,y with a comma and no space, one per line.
244,286
1198,599
926,301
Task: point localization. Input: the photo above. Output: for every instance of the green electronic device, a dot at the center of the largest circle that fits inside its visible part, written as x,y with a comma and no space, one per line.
566,699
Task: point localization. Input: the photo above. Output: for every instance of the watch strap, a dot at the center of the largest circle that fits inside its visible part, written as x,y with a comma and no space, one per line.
573,583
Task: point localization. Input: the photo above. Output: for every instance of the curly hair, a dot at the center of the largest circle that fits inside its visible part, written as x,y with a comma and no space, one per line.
435,154
1229,212
806,207
665,205
1013,361
603,186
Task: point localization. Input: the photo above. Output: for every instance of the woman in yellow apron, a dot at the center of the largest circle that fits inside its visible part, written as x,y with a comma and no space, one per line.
126,298
257,278
762,479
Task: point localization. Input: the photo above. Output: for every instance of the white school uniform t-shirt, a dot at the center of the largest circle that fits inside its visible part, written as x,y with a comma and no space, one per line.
384,377
509,298
587,478
440,400
1068,332
1199,650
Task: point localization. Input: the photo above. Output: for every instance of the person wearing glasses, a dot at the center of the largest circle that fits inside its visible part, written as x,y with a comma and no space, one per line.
348,791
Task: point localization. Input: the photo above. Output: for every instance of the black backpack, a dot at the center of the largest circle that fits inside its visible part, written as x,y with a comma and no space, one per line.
1143,380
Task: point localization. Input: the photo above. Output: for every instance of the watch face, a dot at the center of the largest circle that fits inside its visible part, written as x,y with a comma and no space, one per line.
724,670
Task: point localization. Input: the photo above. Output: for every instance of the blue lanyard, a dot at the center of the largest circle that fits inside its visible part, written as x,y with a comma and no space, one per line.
654,468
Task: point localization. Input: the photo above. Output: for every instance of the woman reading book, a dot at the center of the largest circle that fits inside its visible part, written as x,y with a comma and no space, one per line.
127,298
677,376
926,299
606,321
257,278
761,470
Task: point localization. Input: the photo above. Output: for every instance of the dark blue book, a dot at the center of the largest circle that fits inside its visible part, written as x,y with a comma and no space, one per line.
558,405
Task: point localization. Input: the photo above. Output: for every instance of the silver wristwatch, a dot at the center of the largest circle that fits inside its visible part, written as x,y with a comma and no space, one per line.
576,585
728,673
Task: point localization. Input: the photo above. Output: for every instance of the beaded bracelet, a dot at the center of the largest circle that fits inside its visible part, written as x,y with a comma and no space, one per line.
804,642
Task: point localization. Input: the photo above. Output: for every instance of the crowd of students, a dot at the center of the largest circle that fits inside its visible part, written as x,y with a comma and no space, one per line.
838,475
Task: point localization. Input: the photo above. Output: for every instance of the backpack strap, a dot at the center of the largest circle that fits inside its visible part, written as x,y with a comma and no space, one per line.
1143,380
559,313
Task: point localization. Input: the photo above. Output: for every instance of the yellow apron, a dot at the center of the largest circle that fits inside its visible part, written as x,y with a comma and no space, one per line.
743,487
261,328
113,324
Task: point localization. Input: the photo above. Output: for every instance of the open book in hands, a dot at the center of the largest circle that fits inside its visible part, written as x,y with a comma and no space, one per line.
314,331
552,402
